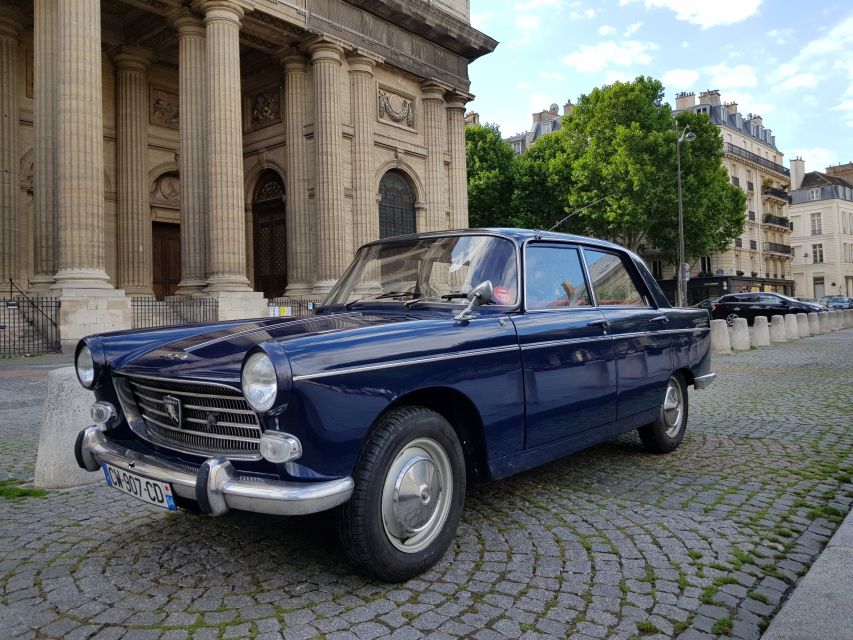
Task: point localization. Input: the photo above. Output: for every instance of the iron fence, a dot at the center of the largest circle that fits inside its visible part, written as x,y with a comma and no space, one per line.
286,307
28,326
150,312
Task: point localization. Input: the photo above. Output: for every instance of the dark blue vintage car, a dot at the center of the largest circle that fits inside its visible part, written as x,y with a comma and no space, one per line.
437,360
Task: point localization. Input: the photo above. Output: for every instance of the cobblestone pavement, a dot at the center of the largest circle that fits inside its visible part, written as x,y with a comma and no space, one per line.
609,543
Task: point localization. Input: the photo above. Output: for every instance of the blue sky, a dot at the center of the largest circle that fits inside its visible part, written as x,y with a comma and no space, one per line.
789,61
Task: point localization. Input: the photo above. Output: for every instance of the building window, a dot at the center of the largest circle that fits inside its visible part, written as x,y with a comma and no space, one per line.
705,265
817,224
819,289
657,269
397,205
750,187
814,194
817,253
735,181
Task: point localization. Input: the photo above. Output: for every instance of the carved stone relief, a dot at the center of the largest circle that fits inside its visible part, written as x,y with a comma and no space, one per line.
167,189
265,109
396,108
164,108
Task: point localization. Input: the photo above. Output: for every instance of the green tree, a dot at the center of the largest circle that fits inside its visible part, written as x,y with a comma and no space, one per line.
490,163
542,180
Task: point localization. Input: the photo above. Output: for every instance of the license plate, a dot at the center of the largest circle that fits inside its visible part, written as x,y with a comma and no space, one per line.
151,491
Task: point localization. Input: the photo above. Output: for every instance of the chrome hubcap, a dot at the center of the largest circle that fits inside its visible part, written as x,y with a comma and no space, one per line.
416,495
673,408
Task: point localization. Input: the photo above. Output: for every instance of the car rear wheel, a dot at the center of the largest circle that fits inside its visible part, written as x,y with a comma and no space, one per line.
730,319
667,431
408,496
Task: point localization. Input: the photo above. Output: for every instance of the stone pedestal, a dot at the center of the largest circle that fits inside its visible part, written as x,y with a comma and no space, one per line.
740,335
814,324
777,329
761,332
86,311
720,343
792,332
238,305
803,325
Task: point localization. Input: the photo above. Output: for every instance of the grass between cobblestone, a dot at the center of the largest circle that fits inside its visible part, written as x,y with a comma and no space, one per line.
609,543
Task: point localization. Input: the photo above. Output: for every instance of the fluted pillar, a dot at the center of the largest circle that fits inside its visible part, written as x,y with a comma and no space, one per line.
44,131
333,250
300,244
135,274
227,246
80,147
435,132
458,167
9,242
365,215
193,157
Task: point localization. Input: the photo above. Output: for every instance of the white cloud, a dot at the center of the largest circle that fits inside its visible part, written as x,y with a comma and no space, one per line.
552,75
527,22
800,81
847,105
632,28
481,21
708,14
724,76
680,78
748,103
780,36
615,76
589,58
581,15
817,158
539,101
685,44
532,5
522,85
605,30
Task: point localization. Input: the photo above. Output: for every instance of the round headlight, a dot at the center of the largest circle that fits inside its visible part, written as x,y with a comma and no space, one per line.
260,384
85,367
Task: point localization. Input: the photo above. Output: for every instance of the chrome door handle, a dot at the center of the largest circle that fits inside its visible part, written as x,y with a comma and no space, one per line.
597,323
663,319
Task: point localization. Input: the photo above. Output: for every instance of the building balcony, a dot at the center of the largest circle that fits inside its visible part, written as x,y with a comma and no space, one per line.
740,152
774,193
774,247
779,221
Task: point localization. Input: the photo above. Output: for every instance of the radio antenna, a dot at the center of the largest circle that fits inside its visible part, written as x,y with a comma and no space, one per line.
578,211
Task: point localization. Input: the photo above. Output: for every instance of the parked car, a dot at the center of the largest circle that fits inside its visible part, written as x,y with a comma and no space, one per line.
751,305
836,303
437,360
707,303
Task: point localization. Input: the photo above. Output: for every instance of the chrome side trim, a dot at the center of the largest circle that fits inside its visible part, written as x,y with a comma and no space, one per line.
565,341
703,382
404,363
226,488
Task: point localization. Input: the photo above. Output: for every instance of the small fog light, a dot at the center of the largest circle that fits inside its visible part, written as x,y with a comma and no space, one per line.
102,412
280,447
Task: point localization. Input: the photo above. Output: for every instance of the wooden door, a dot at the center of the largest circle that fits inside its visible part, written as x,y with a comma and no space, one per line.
269,233
167,258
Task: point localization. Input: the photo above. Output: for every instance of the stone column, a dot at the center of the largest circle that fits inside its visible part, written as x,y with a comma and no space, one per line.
44,125
458,166
300,243
434,124
365,214
227,247
193,157
135,273
89,302
9,244
332,249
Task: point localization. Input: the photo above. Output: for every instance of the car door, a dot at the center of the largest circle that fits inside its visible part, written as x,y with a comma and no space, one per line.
567,359
641,342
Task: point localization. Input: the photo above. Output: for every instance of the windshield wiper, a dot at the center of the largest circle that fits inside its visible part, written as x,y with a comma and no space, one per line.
387,294
444,296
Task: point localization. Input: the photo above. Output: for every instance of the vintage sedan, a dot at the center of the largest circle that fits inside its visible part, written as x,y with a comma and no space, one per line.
437,360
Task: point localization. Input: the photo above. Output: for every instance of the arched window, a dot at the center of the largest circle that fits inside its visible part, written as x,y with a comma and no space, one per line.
270,242
397,205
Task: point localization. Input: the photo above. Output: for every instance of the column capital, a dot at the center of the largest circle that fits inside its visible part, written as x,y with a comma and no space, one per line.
433,90
224,10
187,24
324,49
291,59
133,59
360,62
457,99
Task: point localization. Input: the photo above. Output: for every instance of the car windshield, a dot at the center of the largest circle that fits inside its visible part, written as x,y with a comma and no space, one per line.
440,269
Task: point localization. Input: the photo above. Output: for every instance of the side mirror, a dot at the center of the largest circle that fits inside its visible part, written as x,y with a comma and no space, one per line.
479,295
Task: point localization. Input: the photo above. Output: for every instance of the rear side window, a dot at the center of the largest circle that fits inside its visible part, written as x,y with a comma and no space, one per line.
554,277
611,280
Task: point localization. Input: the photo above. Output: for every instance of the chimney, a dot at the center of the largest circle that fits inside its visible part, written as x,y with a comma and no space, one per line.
711,97
843,171
731,107
568,108
685,100
798,171
756,119
472,118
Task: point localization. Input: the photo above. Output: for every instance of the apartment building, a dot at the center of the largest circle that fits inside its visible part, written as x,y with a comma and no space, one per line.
545,121
821,213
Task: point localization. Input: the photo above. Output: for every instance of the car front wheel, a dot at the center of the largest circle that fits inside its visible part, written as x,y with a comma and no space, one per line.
667,431
408,496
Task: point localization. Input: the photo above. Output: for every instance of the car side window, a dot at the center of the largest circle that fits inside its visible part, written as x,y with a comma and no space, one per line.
554,277
611,280
766,299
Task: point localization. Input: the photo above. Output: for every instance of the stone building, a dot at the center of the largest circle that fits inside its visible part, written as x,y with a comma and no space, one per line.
236,149
822,237
762,255
545,121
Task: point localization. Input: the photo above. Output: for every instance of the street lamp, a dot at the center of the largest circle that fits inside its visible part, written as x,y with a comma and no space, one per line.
686,134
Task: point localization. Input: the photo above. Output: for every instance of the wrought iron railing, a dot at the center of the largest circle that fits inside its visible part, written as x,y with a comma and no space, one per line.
286,307
764,162
773,192
779,221
775,247
28,325
149,312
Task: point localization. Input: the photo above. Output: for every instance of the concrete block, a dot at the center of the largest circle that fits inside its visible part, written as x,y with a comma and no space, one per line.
814,324
720,343
777,329
740,335
803,325
761,332
66,413
823,317
791,330
833,320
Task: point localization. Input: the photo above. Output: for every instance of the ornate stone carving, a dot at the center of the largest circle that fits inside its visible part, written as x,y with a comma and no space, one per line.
269,190
164,108
167,189
396,108
266,109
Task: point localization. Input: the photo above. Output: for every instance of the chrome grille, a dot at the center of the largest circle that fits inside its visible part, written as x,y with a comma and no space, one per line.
215,420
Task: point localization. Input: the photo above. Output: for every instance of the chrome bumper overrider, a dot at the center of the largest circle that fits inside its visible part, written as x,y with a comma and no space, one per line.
703,382
215,485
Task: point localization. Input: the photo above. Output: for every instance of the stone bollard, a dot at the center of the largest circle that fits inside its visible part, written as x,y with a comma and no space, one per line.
66,413
833,321
848,317
823,317
777,329
740,335
720,337
803,325
791,330
760,332
814,324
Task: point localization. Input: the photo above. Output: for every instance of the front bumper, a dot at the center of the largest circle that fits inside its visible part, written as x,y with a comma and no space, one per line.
703,382
215,485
